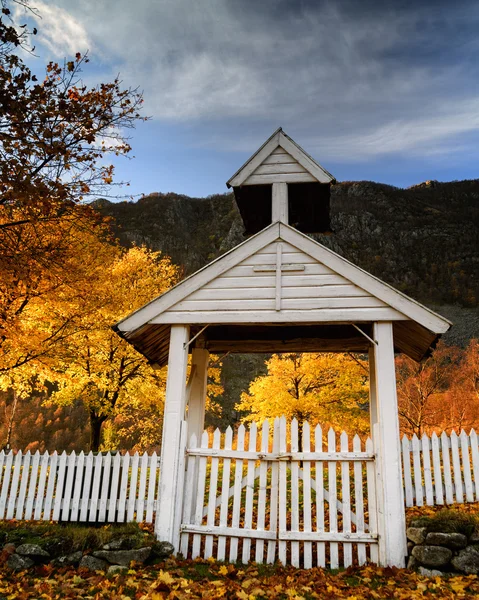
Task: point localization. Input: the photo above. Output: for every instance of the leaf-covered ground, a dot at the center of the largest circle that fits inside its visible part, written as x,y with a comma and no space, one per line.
209,579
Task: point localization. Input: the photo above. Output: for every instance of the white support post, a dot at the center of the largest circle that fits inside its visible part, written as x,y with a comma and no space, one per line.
279,210
390,494
373,401
170,495
197,395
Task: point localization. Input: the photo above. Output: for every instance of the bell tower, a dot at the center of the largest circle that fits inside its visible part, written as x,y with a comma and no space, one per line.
281,182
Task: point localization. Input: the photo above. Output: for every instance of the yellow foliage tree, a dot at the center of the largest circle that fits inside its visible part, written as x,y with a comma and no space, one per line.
329,389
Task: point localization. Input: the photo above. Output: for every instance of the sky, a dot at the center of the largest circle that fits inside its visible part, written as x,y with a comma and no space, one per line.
374,90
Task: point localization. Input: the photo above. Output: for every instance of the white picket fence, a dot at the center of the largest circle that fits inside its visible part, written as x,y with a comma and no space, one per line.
78,487
441,469
263,498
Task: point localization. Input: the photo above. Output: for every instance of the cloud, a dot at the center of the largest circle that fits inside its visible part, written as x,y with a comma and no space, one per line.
353,79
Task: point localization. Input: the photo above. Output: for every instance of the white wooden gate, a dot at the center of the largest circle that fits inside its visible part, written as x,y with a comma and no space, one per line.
259,497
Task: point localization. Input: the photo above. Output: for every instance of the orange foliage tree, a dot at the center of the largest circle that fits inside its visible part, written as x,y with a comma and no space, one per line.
327,388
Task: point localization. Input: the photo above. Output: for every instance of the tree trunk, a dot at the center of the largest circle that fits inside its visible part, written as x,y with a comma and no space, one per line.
96,423
10,422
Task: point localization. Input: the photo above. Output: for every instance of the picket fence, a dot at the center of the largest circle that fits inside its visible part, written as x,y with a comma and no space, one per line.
78,487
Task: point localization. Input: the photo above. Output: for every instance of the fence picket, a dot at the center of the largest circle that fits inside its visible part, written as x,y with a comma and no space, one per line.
447,468
283,500
23,485
333,499
85,500
358,500
273,505
103,502
188,498
68,487
115,478
150,503
346,498
15,481
225,486
130,512
263,480
125,471
250,471
32,488
200,495
426,460
372,502
307,522
75,505
40,494
436,462
416,459
294,493
466,466
52,476
210,517
6,483
456,466
475,459
95,488
142,488
319,481
406,461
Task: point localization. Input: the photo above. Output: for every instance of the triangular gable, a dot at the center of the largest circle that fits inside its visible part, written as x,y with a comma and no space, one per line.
338,291
299,166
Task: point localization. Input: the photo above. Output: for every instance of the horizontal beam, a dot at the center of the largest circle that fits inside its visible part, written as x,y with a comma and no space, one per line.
296,345
283,456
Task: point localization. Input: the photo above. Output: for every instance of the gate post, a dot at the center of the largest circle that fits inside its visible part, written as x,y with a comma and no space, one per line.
384,410
170,487
197,394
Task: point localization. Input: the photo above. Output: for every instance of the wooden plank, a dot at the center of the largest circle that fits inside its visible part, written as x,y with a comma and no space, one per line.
268,293
85,499
40,496
319,477
200,278
23,485
265,280
131,502
7,474
105,484
416,459
466,466
283,500
447,468
238,471
95,488
282,158
307,499
406,463
210,519
456,464
188,499
273,499
115,479
426,460
76,496
279,169
150,503
294,468
436,462
32,488
125,470
225,484
15,481
250,477
280,178
475,459
359,500
247,270
291,456
278,277
333,497
346,499
67,497
372,502
269,259
263,480
140,510
327,315
200,496
234,533
52,474
62,465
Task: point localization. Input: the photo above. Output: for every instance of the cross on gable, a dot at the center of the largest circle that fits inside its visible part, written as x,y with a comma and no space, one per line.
278,268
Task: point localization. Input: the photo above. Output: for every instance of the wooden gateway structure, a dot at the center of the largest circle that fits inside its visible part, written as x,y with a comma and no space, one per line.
281,291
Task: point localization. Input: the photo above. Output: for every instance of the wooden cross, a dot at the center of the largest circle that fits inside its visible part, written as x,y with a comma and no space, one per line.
278,268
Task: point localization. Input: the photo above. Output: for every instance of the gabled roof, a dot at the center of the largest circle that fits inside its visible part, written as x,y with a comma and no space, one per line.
416,327
280,138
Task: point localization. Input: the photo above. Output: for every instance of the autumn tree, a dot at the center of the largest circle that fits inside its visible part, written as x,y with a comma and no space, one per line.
56,136
327,388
